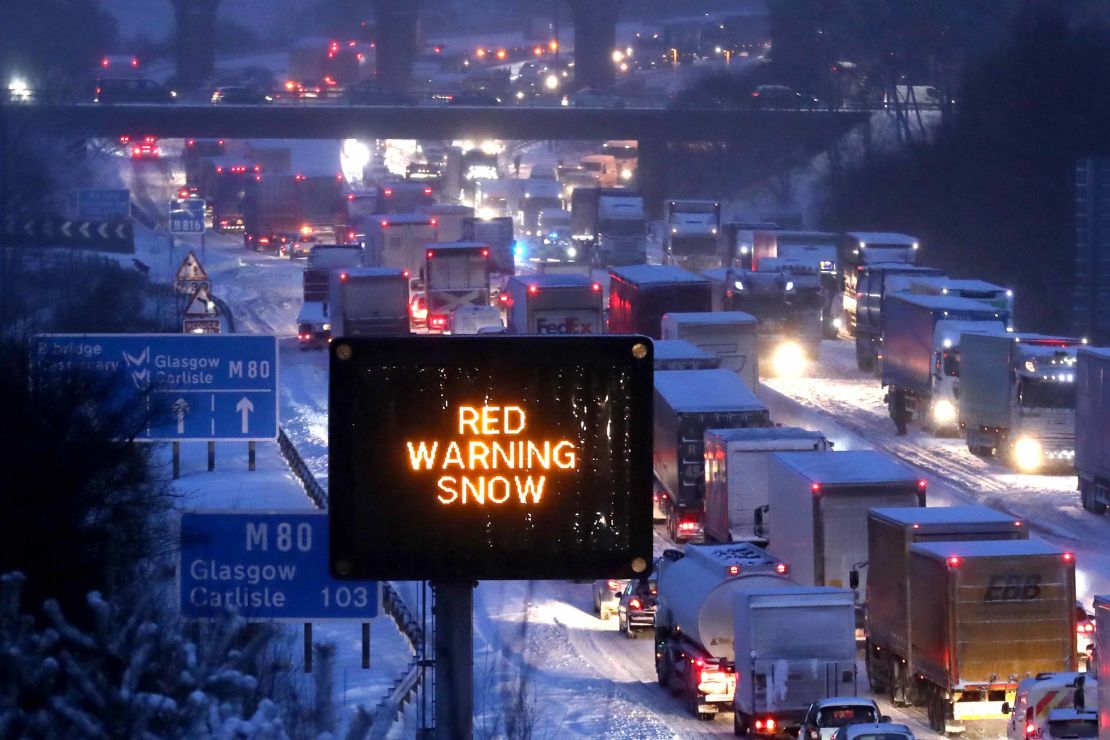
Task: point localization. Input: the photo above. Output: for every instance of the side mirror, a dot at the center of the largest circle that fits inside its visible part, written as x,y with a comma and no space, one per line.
885,719
1005,707
853,579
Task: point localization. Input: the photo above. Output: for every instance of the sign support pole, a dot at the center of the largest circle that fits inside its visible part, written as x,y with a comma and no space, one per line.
453,612
250,455
308,647
365,645
211,456
203,253
176,460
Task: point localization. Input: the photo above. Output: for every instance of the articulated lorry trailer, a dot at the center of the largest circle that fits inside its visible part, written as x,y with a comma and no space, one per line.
639,295
983,615
1017,399
891,532
1092,431
921,355
866,288
687,402
730,335
609,225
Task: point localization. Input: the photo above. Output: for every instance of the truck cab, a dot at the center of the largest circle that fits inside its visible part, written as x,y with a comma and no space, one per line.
692,234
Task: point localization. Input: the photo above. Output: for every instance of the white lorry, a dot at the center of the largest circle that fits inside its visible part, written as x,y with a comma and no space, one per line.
736,481
449,219
397,240
552,304
691,236
731,335
794,645
694,618
456,275
819,505
369,302
678,354
313,322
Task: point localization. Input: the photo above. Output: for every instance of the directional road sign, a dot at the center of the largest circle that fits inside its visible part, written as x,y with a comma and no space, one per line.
104,204
268,566
187,216
201,386
55,231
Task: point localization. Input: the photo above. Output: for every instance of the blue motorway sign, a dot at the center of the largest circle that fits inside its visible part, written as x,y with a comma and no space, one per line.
203,386
187,216
268,566
105,205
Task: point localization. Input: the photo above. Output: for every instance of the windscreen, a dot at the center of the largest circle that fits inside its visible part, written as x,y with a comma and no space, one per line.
366,297
621,227
843,716
1046,394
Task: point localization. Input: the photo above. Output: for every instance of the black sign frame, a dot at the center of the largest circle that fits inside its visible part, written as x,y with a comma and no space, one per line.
385,522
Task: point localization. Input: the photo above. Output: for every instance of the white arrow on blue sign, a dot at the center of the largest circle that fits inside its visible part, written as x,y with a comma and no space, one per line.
187,216
269,566
211,386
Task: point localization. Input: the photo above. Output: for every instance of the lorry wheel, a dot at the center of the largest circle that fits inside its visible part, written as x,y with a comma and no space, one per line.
865,361
875,670
740,723
936,709
663,670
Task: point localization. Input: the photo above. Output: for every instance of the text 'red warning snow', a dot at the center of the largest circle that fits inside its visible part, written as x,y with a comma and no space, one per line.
494,461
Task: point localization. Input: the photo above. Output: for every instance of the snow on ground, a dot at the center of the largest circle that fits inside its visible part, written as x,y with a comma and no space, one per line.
854,400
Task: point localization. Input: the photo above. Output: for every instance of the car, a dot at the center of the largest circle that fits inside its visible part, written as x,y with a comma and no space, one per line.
781,96
146,147
472,319
111,90
607,594
474,97
1029,715
825,716
877,731
240,95
636,607
588,97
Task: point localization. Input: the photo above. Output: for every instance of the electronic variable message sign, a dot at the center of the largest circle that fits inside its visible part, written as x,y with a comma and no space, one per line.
471,458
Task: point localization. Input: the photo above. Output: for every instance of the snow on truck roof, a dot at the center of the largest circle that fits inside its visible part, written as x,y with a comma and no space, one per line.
946,303
943,515
655,274
847,467
762,434
882,237
358,272
706,390
679,349
736,553
969,284
709,317
449,246
986,548
554,280
1100,352
385,220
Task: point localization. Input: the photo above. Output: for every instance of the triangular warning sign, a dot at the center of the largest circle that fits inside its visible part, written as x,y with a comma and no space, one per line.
191,269
201,304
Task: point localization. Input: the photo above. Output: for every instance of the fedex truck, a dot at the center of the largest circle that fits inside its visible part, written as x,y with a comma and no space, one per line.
552,304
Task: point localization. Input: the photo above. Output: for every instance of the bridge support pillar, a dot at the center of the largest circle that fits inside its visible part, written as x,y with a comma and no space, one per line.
595,37
651,174
195,41
397,36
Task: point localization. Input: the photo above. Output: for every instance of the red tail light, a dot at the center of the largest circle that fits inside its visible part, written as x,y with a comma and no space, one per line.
134,61
1069,557
597,287
384,223
343,277
1087,627
388,192
635,604
351,236
533,289
816,488
261,239
430,254
782,568
219,170
350,196
433,222
687,526
954,561
104,62
1030,729
921,484
190,142
485,253
427,191
732,570
437,321
339,177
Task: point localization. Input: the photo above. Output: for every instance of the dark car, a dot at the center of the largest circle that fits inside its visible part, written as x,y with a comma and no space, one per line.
474,97
636,608
126,90
781,96
241,95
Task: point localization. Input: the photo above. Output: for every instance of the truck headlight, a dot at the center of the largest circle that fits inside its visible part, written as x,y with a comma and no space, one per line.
836,322
944,412
789,360
1028,454
571,252
326,327
626,174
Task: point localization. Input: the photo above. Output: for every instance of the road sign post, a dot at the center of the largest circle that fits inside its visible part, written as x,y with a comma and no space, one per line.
200,387
270,566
